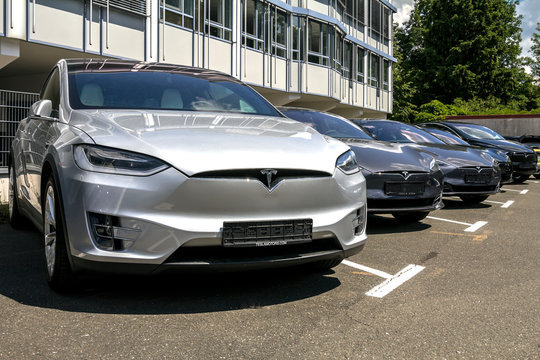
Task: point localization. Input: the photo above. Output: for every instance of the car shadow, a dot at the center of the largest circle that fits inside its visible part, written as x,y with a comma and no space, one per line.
377,224
23,280
458,204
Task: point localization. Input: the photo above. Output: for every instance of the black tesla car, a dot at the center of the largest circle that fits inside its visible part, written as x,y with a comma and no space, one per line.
523,157
401,180
504,161
469,173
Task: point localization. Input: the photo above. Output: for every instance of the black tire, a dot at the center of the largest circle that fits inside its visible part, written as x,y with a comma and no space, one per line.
537,176
59,273
473,199
15,218
410,217
518,179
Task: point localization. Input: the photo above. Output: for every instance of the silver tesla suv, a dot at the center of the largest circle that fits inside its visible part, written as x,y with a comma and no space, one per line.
133,167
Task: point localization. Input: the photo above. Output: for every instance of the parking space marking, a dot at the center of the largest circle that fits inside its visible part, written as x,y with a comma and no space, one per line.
522,192
503,205
471,227
392,283
367,269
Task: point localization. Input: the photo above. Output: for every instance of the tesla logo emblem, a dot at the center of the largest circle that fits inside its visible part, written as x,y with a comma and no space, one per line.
478,169
269,173
405,174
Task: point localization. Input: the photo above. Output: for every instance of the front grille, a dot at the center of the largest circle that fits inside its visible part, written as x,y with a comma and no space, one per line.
523,157
399,203
277,175
219,254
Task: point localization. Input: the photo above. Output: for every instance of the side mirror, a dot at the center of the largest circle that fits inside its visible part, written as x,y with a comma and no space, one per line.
42,108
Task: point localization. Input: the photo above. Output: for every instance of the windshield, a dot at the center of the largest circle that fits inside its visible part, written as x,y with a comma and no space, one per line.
478,132
326,124
447,137
153,90
399,132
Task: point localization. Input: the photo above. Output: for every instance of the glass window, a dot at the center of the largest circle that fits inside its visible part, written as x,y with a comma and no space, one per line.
178,12
337,56
478,132
386,74
162,90
374,70
360,66
51,91
387,22
253,26
279,27
347,60
220,19
399,132
298,37
376,20
327,124
318,49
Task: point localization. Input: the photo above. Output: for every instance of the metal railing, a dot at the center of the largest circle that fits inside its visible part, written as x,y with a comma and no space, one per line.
14,107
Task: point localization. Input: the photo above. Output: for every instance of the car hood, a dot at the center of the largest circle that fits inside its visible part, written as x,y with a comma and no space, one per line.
381,156
196,142
456,155
505,145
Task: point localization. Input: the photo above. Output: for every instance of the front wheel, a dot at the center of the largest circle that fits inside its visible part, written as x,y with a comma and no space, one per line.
473,199
59,274
410,217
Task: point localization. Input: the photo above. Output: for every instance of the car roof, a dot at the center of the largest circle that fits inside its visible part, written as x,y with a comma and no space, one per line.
116,65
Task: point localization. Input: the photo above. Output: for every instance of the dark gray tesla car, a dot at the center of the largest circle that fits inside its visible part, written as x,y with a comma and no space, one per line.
505,164
524,159
401,180
469,173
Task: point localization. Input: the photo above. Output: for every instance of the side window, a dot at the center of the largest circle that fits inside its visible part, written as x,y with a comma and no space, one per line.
51,91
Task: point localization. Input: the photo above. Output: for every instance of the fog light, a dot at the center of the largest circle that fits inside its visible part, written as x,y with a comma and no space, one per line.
359,222
109,234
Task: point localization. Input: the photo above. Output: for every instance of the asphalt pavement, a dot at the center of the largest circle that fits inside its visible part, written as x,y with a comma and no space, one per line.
462,284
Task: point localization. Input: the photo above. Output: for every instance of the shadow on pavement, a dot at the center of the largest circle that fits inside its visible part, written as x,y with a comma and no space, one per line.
23,280
458,204
377,224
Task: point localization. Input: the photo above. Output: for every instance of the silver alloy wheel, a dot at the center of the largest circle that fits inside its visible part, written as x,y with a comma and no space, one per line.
49,229
11,195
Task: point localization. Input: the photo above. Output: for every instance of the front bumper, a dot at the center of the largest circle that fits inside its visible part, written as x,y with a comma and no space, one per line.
380,201
175,222
456,181
524,163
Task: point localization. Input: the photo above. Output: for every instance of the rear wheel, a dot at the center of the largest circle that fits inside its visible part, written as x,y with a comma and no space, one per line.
518,179
410,217
59,274
16,220
473,199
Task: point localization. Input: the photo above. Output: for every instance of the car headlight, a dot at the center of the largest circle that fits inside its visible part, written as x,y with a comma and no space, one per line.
114,161
433,166
346,162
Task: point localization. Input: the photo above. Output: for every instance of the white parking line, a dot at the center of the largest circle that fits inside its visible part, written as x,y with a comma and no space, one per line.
471,227
367,269
522,192
392,283
503,205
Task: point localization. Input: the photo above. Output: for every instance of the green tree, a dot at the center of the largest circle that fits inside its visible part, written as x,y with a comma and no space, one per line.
462,49
535,51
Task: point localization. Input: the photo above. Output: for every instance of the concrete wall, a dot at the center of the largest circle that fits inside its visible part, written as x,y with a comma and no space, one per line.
506,125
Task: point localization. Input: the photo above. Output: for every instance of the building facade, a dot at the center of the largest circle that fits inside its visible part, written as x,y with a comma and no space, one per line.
323,54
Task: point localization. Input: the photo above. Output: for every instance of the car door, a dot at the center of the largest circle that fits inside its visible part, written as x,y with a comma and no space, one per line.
35,139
